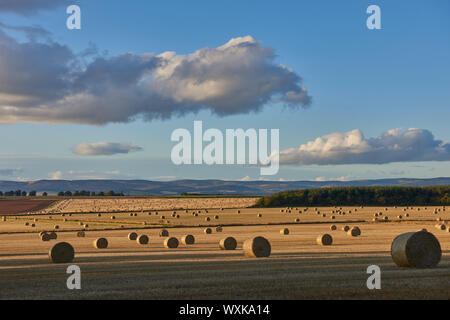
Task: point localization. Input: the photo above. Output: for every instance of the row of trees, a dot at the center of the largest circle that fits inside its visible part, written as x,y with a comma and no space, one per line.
84,193
20,193
380,196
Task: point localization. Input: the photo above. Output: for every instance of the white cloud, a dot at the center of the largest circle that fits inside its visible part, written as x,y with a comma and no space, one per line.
104,148
57,175
352,148
43,81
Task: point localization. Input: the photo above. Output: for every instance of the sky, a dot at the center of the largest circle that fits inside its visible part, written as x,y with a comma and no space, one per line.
102,102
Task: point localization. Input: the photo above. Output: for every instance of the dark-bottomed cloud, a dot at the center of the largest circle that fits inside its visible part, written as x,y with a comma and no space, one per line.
44,81
352,148
104,148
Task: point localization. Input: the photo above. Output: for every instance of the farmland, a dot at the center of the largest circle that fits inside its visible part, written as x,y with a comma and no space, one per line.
297,268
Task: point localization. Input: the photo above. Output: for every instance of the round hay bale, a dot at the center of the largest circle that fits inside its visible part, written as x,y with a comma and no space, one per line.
142,239
81,234
207,219
333,217
99,215
239,211
354,232
164,233
188,239
400,217
113,218
45,237
228,243
258,247
101,243
207,231
333,227
324,240
259,215
386,218
132,236
284,231
416,250
440,226
297,220
171,243
219,229
407,215
27,224
53,235
42,233
61,252
216,217
345,228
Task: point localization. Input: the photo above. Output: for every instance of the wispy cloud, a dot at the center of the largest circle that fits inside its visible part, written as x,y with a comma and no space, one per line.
28,7
10,172
104,148
44,81
352,148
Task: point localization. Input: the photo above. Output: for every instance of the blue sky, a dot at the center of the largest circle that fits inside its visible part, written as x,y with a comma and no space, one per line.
371,80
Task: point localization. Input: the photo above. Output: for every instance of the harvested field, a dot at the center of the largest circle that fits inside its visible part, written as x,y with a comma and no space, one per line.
10,207
133,204
297,267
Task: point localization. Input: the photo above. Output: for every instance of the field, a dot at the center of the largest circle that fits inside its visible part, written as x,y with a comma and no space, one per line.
297,268
10,207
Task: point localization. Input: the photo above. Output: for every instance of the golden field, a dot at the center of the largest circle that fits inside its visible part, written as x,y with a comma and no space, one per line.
298,268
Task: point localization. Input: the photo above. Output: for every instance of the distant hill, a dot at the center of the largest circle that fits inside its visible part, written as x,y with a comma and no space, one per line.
145,187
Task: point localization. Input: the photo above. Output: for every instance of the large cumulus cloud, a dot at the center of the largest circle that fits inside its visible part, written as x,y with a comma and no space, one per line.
353,148
44,81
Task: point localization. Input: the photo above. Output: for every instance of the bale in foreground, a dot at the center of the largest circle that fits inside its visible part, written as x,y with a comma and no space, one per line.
171,243
142,239
258,247
228,243
188,239
416,250
324,240
61,252
101,243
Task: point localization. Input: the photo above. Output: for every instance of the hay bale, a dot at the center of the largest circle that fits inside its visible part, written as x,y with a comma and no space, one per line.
101,243
113,218
132,236
207,219
219,229
81,234
171,243
228,243
45,237
345,228
333,227
164,233
61,252
297,220
259,215
207,231
188,239
354,232
324,240
284,231
53,235
333,217
416,250
216,217
27,224
440,226
258,247
142,239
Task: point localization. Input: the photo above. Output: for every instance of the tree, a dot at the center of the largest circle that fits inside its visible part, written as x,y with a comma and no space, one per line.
32,193
61,194
44,194
68,194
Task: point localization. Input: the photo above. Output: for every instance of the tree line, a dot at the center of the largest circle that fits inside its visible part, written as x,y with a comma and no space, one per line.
360,196
82,193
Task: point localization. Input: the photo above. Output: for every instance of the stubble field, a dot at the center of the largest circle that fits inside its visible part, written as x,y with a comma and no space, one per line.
297,268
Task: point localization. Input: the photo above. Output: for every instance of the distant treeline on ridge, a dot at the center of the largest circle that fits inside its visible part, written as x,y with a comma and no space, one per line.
379,196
